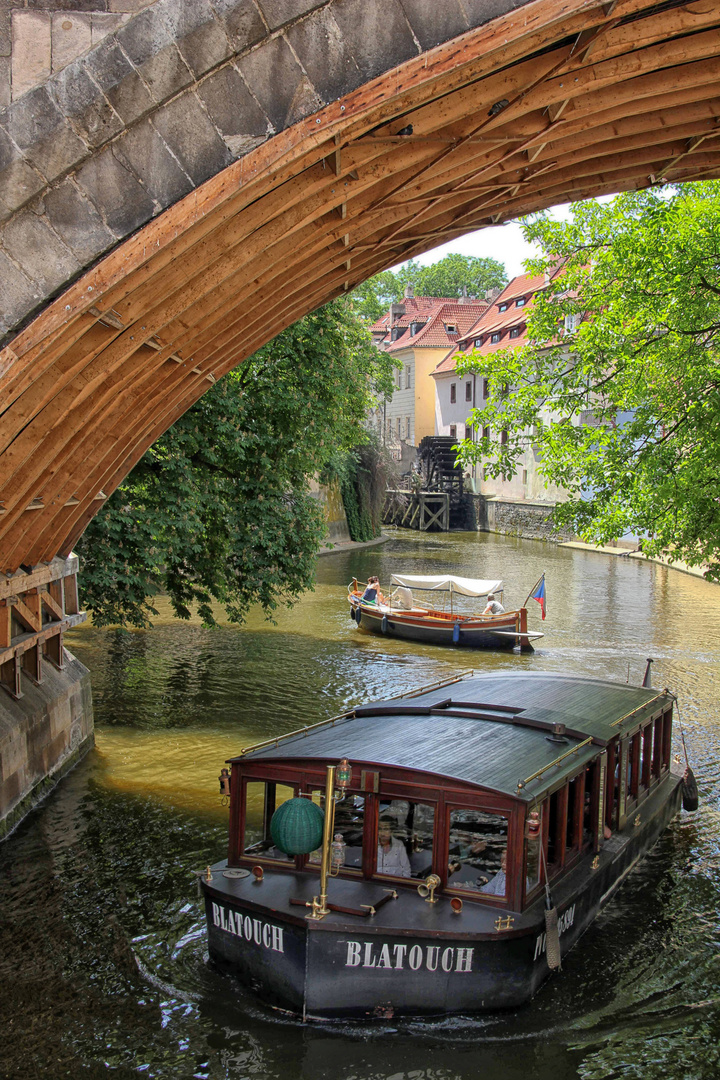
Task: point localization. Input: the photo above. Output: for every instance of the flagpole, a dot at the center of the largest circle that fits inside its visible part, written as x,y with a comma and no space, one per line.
534,588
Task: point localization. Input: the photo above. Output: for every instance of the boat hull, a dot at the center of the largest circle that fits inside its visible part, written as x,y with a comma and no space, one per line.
498,633
411,958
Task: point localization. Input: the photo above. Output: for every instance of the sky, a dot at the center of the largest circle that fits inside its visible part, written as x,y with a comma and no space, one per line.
502,242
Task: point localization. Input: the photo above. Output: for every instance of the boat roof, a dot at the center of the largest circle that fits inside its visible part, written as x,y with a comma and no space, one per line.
448,583
495,730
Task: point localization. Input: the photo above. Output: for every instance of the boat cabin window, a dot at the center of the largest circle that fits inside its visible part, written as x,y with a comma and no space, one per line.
348,830
261,801
406,832
477,852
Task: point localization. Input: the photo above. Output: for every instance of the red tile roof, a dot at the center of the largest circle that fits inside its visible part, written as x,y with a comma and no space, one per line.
495,321
434,333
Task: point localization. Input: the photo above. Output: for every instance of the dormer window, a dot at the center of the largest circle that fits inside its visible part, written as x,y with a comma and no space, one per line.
451,328
503,307
494,338
515,331
521,301
478,342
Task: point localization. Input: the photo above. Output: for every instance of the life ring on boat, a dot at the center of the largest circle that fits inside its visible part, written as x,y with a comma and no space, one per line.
384,624
456,633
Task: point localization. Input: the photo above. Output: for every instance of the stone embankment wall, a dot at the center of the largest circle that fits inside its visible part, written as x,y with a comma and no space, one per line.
527,520
42,735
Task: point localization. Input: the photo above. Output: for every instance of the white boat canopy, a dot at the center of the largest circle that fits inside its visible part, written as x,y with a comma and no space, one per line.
447,583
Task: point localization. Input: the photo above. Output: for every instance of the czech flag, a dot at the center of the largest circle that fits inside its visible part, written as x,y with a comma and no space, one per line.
538,594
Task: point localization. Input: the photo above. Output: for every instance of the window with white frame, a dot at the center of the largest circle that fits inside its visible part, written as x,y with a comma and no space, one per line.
408,382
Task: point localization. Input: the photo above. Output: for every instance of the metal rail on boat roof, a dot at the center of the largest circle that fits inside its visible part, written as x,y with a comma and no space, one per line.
568,753
663,693
348,714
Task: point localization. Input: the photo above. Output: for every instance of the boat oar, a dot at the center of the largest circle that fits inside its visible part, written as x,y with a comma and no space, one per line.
552,934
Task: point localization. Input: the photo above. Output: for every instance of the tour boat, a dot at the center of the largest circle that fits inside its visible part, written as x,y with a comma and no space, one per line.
440,851
400,616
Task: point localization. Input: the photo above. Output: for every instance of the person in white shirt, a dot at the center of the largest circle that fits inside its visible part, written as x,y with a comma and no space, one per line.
392,858
494,607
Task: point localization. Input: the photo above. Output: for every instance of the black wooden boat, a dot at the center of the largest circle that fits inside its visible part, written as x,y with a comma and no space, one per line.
476,828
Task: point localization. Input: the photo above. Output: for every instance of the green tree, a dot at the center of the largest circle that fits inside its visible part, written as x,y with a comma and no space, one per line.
624,408
220,508
447,277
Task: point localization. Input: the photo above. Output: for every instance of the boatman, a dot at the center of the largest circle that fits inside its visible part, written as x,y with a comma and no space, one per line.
392,858
493,607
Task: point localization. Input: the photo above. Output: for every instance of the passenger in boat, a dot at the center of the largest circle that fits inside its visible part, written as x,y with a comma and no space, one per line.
372,594
496,885
493,606
392,857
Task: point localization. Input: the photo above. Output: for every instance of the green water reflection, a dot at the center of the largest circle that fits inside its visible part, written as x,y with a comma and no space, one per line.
103,969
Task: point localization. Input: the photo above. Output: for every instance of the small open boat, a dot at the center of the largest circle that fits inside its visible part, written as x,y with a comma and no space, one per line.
441,851
402,616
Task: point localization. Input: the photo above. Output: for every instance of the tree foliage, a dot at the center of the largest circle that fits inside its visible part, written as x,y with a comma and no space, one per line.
447,277
220,508
624,410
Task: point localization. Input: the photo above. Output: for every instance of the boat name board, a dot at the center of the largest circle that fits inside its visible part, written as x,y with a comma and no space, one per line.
257,931
565,921
369,954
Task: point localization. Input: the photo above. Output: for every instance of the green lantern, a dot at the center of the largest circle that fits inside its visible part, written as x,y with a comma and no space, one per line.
296,827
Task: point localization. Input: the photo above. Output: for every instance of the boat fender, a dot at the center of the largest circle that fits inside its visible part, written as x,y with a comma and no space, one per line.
456,633
384,624
358,616
690,799
552,939
352,613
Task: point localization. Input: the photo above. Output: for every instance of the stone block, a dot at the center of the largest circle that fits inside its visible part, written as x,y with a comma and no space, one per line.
188,131
279,12
143,151
127,5
43,134
433,23
10,792
121,199
40,254
377,33
80,100
12,748
18,180
233,110
5,31
323,53
276,79
5,81
102,24
31,50
66,5
243,22
60,716
19,296
480,12
120,82
149,46
77,222
198,34
71,37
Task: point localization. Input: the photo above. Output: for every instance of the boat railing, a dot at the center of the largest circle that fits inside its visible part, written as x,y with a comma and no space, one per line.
546,768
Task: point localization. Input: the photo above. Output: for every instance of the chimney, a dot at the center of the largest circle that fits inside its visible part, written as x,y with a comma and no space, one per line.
409,291
492,294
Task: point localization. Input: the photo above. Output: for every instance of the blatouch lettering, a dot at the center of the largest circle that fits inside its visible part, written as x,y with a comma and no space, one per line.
370,954
253,930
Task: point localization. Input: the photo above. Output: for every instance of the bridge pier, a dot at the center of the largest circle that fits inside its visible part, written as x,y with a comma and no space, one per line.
46,718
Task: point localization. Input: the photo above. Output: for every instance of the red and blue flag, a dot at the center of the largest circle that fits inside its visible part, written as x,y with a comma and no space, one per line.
538,594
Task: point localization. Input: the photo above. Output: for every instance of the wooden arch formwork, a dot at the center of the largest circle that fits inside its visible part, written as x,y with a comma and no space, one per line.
556,101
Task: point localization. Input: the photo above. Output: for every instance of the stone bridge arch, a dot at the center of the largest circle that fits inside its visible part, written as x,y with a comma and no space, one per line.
211,171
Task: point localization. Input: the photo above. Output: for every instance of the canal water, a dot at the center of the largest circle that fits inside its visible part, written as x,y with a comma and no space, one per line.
103,962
